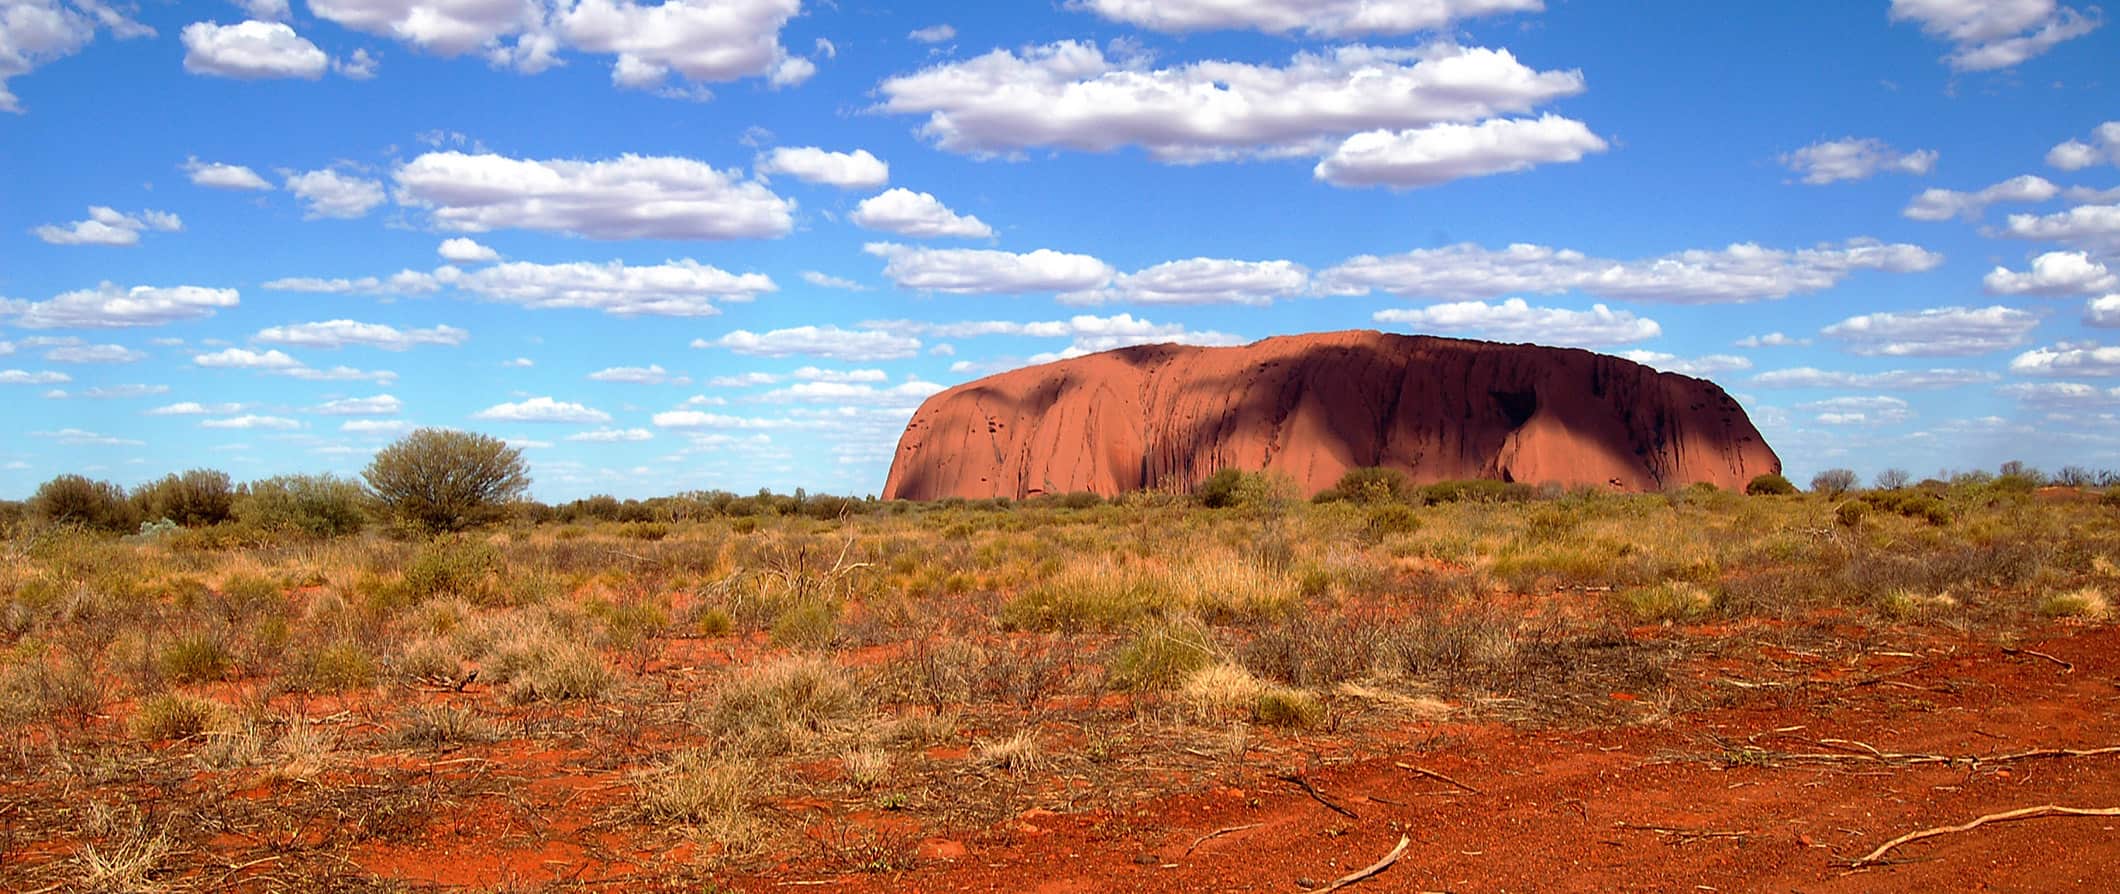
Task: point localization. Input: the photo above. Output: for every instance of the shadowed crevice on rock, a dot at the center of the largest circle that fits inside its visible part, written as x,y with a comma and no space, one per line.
1314,406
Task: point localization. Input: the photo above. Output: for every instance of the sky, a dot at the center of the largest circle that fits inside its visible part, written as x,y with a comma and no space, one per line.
734,243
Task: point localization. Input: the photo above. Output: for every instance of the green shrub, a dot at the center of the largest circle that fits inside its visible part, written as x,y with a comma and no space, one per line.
314,505
811,623
194,658
1282,706
1771,484
1373,484
453,567
1667,601
338,667
1389,519
1162,655
174,716
443,480
1476,490
194,499
75,500
1851,513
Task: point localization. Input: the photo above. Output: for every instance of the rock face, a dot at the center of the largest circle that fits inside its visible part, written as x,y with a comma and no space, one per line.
1313,407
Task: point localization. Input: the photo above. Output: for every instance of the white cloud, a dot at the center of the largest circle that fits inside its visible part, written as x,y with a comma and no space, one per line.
933,33
216,175
34,32
2069,359
970,271
466,251
1944,204
251,50
76,436
2093,226
1890,380
629,197
94,354
653,374
1701,367
360,66
2053,273
825,281
375,426
112,392
108,226
1939,332
40,377
1771,340
740,380
403,282
1201,281
691,419
2075,155
916,214
1830,161
907,394
265,10
1089,333
1877,410
815,374
278,363
328,193
1069,95
613,435
520,363
342,333
1318,18
847,170
448,27
1517,320
111,307
1440,153
2102,311
817,341
542,409
1739,273
1992,34
379,405
680,288
252,422
2062,394
194,408
701,40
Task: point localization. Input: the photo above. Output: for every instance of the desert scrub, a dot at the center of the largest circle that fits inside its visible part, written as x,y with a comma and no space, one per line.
2088,603
1163,654
1665,602
175,716
866,768
695,787
1219,585
1288,707
454,566
338,667
442,726
795,704
1904,604
37,686
1220,691
565,671
1018,753
194,658
809,624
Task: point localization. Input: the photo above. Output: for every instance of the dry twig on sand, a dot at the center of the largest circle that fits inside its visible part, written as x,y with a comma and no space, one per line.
2066,667
1319,796
1217,834
1370,870
1877,855
1434,775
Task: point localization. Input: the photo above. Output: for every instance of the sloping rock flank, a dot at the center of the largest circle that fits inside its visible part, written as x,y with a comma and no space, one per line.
1313,407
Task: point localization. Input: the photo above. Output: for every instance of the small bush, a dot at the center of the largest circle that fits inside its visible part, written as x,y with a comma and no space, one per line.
175,716
1667,601
1219,690
442,726
319,506
1018,753
443,480
648,531
1833,482
75,500
194,499
194,658
2088,603
339,667
793,704
1282,706
1394,518
453,567
810,624
1162,655
1477,490
1770,484
565,671
1851,513
1372,484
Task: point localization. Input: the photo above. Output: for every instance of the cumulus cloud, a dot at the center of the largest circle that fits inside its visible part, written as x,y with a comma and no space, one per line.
1089,334
112,392
2069,359
1201,281
278,363
1702,366
826,281
1318,18
108,226
379,405
847,170
1889,380
26,377
342,333
967,271
215,175
34,32
194,408
1939,332
110,306
2075,155
1070,95
448,27
1440,153
1739,273
251,50
1516,320
466,251
916,214
1830,161
2053,273
542,409
1944,204
375,426
2062,394
739,380
1878,410
328,193
2091,226
403,282
2102,311
1993,34
907,394
816,374
629,197
613,435
680,288
933,33
253,422
817,341
83,437
700,40
652,374
1771,340
86,353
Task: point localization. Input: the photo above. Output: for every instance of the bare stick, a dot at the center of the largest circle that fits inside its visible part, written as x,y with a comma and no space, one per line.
1434,775
1217,834
2066,667
1684,834
1371,869
2003,817
1318,795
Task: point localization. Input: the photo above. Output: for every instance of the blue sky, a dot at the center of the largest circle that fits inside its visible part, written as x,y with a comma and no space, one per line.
733,243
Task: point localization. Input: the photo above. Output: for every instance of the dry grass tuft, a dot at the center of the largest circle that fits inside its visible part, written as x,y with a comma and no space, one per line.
1018,753
2088,603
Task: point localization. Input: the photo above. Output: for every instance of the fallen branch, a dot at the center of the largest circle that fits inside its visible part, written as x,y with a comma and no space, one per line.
1217,834
1434,775
1685,835
1877,855
1370,870
2066,667
1852,750
1318,795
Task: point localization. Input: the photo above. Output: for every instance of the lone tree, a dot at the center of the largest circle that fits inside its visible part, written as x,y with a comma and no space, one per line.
445,480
